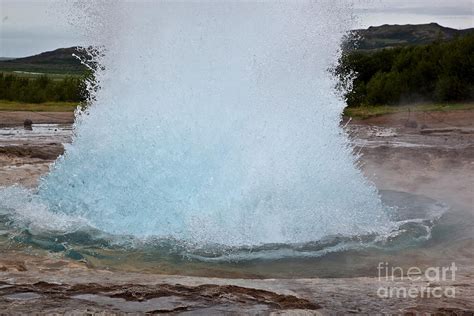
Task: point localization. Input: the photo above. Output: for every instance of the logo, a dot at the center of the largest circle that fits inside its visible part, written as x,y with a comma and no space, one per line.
424,284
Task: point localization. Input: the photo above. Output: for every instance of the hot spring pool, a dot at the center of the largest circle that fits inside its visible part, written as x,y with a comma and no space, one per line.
428,232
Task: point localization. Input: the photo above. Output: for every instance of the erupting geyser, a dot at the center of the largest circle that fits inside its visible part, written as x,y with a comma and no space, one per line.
215,123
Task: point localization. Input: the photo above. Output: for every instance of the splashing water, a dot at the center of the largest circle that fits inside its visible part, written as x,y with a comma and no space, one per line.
215,123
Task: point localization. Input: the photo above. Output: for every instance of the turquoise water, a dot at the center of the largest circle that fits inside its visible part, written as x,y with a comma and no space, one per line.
428,234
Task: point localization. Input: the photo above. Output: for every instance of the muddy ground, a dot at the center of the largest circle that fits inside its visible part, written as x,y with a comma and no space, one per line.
434,157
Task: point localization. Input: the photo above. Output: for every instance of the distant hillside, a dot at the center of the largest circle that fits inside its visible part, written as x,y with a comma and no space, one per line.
59,61
389,36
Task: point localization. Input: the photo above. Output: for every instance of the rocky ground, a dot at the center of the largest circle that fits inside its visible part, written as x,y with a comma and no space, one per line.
429,153
55,286
423,153
16,118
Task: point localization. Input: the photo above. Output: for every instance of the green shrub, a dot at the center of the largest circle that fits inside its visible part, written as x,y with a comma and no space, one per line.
442,71
41,89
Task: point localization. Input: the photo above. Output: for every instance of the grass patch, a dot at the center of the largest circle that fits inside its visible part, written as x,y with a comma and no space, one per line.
363,112
38,107
36,75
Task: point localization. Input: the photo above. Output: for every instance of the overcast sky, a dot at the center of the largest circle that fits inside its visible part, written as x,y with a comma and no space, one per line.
31,26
